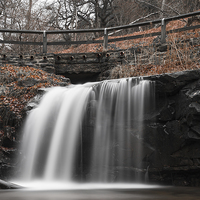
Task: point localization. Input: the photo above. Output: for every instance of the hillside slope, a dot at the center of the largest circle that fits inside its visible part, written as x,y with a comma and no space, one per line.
18,85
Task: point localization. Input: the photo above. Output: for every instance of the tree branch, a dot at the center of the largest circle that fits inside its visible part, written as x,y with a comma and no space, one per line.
135,22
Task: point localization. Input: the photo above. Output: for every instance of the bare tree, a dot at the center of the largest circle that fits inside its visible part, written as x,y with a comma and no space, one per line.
78,14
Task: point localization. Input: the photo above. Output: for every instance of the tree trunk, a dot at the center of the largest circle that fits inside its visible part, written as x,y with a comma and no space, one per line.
29,15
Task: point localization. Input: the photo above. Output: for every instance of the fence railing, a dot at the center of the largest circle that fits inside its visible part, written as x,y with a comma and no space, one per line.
106,31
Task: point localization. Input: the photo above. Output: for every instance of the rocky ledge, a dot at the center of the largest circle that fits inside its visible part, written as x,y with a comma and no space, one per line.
173,130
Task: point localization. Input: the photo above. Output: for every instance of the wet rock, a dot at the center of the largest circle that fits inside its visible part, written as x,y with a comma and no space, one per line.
193,135
8,185
191,151
186,162
195,107
173,83
196,129
192,119
167,114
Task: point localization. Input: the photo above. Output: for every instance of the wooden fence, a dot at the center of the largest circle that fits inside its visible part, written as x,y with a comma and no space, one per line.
106,31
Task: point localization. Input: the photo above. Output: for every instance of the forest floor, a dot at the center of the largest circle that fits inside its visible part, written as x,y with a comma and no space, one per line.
18,85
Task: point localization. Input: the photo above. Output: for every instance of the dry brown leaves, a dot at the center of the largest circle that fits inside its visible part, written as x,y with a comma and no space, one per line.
15,96
126,43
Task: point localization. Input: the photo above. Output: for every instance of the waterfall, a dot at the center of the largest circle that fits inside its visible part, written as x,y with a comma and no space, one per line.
118,129
87,133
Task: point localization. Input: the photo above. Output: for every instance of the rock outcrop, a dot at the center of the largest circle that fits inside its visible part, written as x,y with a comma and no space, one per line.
173,131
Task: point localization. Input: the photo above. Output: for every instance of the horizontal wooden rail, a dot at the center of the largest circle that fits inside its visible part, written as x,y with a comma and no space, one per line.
20,42
157,21
101,41
20,31
183,29
76,42
106,31
153,34
76,31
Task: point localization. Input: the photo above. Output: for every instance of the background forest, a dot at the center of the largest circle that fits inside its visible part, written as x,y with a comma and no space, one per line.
79,14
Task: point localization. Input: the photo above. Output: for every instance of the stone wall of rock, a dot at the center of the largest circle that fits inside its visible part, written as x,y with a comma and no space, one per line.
173,130
45,62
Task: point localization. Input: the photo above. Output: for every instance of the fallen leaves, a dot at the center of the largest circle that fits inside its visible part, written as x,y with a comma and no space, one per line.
14,98
127,43
148,70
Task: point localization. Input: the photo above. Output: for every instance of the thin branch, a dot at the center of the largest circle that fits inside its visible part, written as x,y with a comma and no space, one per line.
175,11
135,22
150,5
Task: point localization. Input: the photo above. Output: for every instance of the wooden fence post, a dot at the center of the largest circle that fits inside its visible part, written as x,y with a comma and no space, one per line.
44,42
163,31
105,40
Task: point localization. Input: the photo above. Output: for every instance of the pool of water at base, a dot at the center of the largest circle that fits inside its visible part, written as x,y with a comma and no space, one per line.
159,193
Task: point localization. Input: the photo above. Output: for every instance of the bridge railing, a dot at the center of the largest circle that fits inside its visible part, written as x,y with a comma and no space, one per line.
105,32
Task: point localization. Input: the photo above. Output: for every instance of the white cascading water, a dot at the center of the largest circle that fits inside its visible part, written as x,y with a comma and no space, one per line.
120,110
50,134
53,132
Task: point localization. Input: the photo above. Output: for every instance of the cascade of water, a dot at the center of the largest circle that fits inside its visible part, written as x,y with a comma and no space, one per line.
52,132
118,130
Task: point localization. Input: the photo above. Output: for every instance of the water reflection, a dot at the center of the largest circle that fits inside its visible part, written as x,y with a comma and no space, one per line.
161,193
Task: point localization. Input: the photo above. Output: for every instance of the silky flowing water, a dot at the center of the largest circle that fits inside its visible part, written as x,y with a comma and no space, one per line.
53,144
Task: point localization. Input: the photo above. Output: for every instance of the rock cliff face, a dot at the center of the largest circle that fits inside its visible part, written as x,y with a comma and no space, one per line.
175,132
